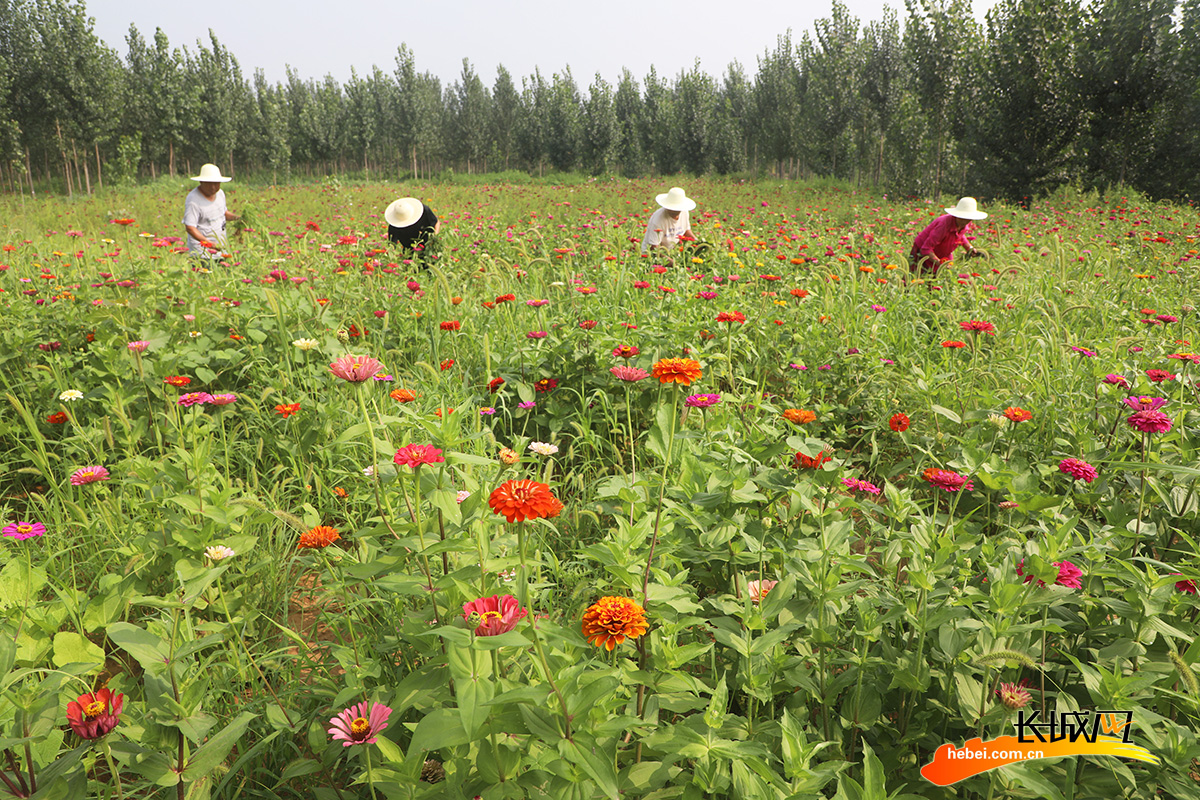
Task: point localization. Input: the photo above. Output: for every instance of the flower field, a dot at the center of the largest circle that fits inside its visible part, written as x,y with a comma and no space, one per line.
536,516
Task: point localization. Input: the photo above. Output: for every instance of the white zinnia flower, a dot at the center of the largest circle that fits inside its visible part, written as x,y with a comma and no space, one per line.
543,449
306,344
219,552
70,395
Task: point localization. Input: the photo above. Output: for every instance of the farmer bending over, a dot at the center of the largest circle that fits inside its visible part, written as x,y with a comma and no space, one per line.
935,245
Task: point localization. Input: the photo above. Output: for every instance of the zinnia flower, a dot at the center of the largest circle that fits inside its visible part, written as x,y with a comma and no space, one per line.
1113,379
24,530
1145,403
545,385
526,499
194,399
355,369
1185,585
1150,421
731,316
978,326
178,381
947,479
799,416
358,725
954,345
629,374
70,395
508,457
1017,414
543,449
494,385
93,715
1159,375
611,620
1013,695
702,400
225,399
218,552
1078,469
88,475
305,344
811,462
402,395
318,538
758,589
856,485
625,351
285,410
414,455
899,422
138,346
677,370
451,325
57,418
497,614
1068,574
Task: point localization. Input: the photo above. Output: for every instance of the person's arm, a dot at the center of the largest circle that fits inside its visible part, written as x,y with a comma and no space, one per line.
229,215
195,233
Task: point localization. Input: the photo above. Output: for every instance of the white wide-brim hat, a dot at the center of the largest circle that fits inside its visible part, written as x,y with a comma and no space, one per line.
211,173
676,200
966,209
403,212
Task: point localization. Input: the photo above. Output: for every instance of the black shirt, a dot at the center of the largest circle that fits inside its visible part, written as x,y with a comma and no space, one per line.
417,233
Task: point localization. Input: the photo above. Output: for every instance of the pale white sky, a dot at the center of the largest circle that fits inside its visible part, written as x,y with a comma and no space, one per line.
319,38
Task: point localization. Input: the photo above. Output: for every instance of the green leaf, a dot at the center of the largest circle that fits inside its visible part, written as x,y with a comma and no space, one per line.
947,413
440,728
599,767
72,648
214,751
472,673
149,650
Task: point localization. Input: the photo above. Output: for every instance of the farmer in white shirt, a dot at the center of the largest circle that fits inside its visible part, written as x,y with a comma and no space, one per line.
204,214
669,223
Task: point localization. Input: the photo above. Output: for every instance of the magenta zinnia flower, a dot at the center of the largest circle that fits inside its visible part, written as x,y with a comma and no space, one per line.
702,400
1145,403
355,369
497,614
24,530
357,725
88,475
856,485
414,455
1112,379
1150,421
629,374
1078,469
194,398
1068,575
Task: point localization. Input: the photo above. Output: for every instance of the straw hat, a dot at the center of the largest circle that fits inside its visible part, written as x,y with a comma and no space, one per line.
676,200
403,212
966,209
210,173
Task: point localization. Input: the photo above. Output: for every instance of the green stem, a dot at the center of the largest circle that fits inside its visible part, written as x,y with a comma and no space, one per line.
112,768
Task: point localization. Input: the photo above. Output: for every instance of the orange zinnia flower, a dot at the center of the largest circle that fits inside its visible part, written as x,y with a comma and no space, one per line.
611,620
1017,414
799,416
402,395
518,501
677,370
318,538
285,410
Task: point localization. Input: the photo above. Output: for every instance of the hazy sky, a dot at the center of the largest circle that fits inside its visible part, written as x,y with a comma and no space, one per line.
331,37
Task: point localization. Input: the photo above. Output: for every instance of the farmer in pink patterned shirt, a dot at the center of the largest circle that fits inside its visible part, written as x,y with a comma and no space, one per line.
935,245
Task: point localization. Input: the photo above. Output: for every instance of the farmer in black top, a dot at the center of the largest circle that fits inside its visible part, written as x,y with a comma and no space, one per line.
411,223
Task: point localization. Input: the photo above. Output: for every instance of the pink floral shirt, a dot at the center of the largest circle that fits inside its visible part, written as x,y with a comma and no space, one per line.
940,238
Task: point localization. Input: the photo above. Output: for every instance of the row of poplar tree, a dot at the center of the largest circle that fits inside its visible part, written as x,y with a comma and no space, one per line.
1044,93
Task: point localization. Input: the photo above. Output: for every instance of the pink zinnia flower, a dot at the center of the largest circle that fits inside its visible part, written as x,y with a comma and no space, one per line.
24,530
1113,379
758,589
1068,575
1150,421
1145,403
138,346
497,614
1013,695
355,369
414,455
702,400
222,399
856,485
88,475
358,725
629,374
194,398
1078,469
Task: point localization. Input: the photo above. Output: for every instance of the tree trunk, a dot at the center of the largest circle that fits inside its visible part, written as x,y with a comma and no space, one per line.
29,173
171,157
86,175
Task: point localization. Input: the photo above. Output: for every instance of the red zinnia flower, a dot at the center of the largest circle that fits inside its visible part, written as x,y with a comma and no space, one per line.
625,351
899,422
731,316
1159,375
1017,414
451,325
57,418
318,538
93,715
947,479
414,455
978,326
494,385
545,385
179,381
588,324
954,344
285,410
447,364
517,501
811,462
496,614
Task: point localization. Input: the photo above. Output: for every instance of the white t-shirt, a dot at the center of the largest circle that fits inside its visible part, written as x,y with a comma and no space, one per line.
206,215
662,230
